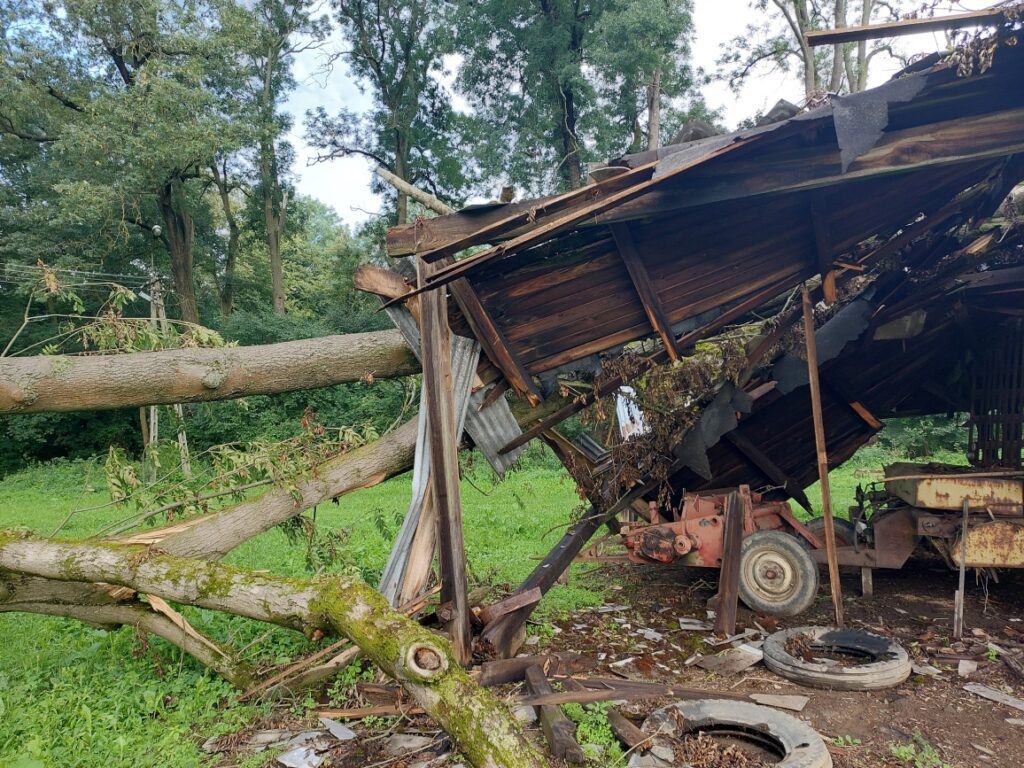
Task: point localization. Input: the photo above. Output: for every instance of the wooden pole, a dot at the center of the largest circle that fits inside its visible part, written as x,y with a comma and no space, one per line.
729,574
819,440
443,446
985,18
958,601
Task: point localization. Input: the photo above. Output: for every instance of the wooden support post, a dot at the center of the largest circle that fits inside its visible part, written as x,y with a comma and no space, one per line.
867,587
729,575
958,600
559,730
823,244
819,440
435,346
644,288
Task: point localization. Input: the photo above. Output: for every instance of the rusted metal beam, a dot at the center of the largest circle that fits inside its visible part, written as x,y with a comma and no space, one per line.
989,17
443,444
819,439
644,288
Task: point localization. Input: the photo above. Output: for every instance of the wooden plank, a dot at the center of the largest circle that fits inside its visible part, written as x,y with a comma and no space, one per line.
644,288
729,576
494,342
443,445
993,695
559,730
989,17
530,597
625,731
819,440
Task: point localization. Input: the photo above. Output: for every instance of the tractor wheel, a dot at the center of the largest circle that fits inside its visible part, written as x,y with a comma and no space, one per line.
846,534
777,576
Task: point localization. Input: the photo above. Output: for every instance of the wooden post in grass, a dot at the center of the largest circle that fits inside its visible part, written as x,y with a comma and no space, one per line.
443,446
819,440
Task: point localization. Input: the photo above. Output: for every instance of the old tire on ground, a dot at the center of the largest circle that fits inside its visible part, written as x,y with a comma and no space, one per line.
887,664
846,534
789,740
777,576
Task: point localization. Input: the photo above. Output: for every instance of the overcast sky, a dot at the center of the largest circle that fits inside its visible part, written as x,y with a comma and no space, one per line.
344,183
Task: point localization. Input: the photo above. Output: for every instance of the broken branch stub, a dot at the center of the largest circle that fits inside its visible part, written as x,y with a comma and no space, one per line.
481,726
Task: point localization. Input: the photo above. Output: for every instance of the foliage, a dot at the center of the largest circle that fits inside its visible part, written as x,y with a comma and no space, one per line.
553,83
396,52
921,436
592,727
918,754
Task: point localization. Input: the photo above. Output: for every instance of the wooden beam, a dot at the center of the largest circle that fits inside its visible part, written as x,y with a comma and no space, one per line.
760,460
989,17
823,245
495,345
514,602
729,575
559,730
645,289
819,440
443,444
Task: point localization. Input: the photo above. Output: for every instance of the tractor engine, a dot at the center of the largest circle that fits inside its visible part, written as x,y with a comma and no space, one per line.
697,535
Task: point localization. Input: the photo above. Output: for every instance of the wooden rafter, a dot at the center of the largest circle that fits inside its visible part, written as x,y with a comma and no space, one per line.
823,246
763,463
987,17
644,288
493,341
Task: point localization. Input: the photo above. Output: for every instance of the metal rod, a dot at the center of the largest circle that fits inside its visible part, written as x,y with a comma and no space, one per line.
819,439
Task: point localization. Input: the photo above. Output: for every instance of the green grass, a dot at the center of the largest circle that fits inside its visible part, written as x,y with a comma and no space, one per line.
74,695
78,696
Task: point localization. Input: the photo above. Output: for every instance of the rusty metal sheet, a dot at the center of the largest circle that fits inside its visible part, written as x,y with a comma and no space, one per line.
945,492
998,544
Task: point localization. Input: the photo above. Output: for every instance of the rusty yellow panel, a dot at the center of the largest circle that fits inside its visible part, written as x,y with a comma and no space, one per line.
949,492
993,545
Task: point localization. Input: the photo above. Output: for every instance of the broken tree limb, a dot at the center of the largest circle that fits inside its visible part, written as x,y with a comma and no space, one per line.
483,728
58,383
423,198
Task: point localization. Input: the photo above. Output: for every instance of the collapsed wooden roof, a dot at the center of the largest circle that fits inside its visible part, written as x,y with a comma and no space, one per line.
697,235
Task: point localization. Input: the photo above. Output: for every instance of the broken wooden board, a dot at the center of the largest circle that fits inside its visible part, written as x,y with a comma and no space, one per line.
993,695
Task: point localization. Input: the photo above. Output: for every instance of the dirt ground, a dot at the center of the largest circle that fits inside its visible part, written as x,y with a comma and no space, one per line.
914,606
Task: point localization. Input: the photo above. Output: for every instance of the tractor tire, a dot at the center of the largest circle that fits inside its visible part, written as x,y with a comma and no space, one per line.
846,534
890,666
789,740
777,576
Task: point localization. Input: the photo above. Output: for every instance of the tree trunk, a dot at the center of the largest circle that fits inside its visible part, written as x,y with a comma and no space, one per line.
654,110
862,49
803,21
570,143
838,51
482,728
227,286
55,383
275,204
402,171
179,234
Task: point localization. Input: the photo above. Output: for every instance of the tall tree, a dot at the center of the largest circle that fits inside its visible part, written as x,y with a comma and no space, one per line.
395,50
777,40
113,98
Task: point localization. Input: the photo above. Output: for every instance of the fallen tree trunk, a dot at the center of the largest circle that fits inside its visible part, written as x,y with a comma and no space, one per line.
54,383
482,728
